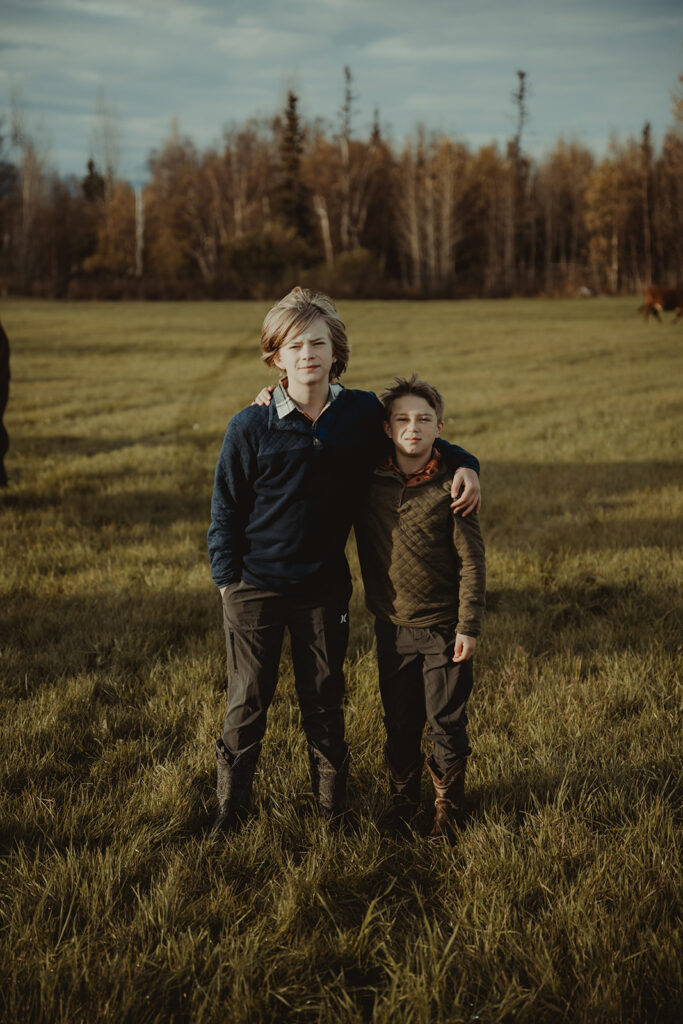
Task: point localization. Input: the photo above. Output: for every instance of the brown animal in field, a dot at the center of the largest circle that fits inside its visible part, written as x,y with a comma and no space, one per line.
658,299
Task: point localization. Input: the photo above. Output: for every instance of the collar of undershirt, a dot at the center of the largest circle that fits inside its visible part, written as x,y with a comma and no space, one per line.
421,475
285,404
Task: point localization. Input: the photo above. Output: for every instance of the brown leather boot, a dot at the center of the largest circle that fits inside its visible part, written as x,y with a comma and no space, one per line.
235,777
405,795
449,793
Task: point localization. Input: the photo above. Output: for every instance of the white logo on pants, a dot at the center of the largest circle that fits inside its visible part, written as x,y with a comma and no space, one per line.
344,618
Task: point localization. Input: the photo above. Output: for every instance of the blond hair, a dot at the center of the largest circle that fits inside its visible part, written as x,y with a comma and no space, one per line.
294,313
412,386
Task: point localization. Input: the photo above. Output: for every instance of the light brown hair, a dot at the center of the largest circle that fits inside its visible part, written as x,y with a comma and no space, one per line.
412,386
295,312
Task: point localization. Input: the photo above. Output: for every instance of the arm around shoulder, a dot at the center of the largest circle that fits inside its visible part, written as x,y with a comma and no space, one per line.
456,457
465,487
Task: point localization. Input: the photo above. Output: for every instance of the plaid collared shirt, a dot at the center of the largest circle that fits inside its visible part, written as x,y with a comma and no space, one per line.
285,404
420,475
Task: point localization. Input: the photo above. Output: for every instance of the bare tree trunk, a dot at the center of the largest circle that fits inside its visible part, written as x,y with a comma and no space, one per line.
105,141
414,236
614,263
549,240
360,184
344,149
646,160
408,215
636,283
531,276
139,230
509,230
32,182
203,249
493,261
429,232
412,223
237,201
219,208
265,211
513,183
320,207
574,245
446,267
345,190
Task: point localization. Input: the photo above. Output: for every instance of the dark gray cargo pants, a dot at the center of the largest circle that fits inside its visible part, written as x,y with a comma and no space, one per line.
420,683
255,622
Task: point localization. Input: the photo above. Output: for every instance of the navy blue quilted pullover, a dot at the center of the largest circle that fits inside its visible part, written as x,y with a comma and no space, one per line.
286,492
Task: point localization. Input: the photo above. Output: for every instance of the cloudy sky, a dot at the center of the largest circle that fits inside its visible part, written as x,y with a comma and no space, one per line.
595,67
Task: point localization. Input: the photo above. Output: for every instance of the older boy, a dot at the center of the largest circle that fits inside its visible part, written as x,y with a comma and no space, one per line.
425,580
288,482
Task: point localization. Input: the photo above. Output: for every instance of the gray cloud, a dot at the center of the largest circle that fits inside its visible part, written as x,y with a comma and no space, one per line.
594,67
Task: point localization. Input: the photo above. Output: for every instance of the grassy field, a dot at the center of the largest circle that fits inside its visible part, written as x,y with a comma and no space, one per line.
561,900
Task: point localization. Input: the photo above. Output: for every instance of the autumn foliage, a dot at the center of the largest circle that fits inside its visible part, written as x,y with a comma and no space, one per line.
282,201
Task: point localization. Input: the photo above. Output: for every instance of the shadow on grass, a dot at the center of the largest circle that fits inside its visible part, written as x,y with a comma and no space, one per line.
119,635
571,507
597,479
87,507
93,501
123,634
126,631
70,445
601,618
141,507
640,788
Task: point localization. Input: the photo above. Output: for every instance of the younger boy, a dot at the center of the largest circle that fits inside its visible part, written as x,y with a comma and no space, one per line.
288,483
425,580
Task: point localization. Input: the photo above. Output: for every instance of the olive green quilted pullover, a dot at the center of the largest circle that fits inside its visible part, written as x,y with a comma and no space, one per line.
421,565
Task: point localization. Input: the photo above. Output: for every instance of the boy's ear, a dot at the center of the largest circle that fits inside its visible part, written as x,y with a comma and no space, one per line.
387,429
439,428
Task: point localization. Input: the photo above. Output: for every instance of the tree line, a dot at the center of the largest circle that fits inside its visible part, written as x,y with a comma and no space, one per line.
282,202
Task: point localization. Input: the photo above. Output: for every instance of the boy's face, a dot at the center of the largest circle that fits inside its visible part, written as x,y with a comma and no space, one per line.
307,356
413,426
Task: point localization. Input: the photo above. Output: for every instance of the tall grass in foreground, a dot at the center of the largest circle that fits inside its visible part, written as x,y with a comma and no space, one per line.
562,899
